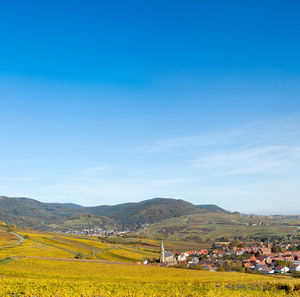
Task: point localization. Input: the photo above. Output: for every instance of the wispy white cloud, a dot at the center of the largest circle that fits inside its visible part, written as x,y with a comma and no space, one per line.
283,131
266,146
193,141
95,170
268,159
251,166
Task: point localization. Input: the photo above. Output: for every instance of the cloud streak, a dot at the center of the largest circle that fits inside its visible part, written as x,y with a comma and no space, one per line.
265,132
268,159
245,168
95,170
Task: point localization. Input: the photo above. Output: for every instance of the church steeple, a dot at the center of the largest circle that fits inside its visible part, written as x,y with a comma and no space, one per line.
162,254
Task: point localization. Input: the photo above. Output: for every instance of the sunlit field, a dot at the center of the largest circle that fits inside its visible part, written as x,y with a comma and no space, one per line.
39,244
7,239
44,264
35,277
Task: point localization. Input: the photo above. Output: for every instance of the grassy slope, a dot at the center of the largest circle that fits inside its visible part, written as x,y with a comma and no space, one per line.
212,226
88,221
44,244
7,239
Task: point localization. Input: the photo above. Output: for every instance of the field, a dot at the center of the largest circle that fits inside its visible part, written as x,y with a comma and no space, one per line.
7,239
43,244
213,227
44,265
36,277
46,244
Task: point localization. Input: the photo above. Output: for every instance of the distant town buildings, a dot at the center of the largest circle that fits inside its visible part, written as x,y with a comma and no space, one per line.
94,232
259,259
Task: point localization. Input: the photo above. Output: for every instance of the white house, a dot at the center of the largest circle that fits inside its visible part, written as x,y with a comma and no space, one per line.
294,267
281,269
181,257
195,260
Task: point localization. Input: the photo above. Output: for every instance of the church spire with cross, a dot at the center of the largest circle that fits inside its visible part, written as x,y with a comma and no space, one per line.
162,254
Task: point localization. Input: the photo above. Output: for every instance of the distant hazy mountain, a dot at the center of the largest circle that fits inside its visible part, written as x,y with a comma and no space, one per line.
31,213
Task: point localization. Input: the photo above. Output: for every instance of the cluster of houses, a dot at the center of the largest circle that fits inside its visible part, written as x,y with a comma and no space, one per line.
259,259
94,232
264,261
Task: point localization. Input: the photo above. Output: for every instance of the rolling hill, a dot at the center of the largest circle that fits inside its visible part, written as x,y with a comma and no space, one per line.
212,208
173,219
222,226
148,211
31,213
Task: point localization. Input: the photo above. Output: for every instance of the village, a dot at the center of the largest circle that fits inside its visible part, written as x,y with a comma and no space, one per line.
93,232
264,259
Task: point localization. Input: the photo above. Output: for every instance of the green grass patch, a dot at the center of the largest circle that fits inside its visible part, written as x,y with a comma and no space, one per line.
6,260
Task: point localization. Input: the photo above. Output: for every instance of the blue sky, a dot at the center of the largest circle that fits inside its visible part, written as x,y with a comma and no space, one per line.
108,102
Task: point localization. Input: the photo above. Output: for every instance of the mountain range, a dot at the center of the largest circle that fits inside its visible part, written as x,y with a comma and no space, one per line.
27,212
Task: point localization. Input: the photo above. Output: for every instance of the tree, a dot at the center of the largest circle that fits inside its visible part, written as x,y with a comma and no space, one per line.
2,224
214,246
283,263
276,249
11,228
160,236
234,243
79,256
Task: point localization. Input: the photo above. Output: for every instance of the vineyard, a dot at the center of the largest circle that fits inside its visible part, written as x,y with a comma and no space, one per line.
39,244
7,239
44,264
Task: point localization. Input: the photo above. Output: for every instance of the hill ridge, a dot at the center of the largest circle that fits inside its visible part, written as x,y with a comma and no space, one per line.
29,212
